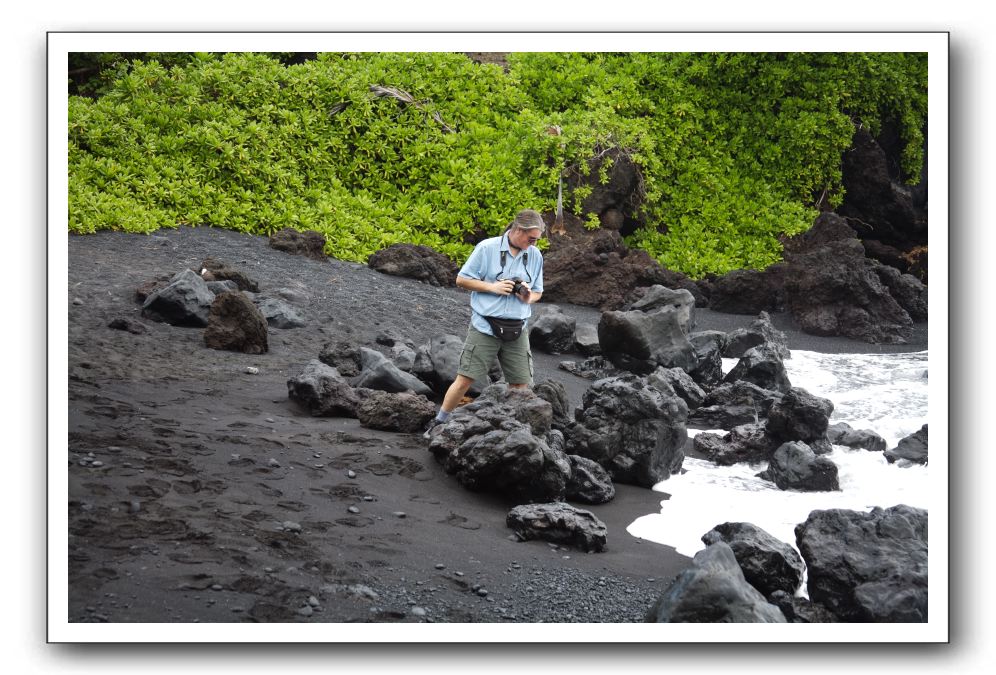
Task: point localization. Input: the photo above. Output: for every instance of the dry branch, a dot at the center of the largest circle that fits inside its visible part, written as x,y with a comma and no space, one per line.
402,96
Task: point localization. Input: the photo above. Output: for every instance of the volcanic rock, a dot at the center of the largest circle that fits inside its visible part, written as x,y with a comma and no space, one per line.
403,412
589,483
497,444
559,523
867,567
794,466
310,244
416,262
631,429
641,341
912,449
552,331
322,390
218,270
762,366
713,590
841,433
185,301
800,416
769,565
235,324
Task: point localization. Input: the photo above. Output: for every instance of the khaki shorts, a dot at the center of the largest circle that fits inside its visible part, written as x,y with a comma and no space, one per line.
479,350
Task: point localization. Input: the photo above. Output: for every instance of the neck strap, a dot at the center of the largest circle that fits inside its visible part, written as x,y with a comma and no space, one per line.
525,260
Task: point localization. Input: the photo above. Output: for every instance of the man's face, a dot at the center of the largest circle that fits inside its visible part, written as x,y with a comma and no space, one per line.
523,239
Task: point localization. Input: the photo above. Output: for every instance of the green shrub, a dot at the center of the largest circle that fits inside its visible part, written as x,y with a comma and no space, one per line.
732,149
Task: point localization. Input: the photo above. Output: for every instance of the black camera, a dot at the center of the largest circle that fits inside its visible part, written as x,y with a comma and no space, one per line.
517,286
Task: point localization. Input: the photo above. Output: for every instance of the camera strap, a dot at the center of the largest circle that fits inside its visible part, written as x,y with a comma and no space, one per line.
525,263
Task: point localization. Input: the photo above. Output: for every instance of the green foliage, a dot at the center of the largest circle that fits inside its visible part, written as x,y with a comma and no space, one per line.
732,149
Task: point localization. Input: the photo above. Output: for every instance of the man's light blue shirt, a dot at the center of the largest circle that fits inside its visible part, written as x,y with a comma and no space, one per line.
484,264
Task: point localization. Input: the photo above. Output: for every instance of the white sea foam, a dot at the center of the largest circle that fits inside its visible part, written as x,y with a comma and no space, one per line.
886,393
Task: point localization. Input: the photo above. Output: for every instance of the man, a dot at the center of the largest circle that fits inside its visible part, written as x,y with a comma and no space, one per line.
505,277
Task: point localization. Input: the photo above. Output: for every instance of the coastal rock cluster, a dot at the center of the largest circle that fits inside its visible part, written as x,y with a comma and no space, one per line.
859,567
653,377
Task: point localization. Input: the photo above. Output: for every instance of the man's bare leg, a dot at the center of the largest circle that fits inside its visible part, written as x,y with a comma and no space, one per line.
461,385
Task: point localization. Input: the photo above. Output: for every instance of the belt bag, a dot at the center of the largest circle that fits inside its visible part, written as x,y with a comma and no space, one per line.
506,330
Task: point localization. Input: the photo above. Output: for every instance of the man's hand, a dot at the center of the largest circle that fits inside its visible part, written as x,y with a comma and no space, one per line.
524,292
502,287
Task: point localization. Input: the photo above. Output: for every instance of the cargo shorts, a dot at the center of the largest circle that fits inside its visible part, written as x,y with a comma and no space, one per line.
479,350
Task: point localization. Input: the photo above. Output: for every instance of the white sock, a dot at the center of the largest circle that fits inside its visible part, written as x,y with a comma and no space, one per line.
442,415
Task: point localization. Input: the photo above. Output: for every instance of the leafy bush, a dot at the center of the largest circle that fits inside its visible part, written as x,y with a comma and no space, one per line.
733,149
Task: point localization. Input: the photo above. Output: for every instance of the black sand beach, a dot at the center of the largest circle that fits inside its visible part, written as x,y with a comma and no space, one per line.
197,491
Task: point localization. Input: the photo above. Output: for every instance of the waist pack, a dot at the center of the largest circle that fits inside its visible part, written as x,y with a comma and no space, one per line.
506,330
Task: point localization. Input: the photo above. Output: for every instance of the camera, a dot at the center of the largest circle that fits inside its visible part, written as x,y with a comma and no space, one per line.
517,287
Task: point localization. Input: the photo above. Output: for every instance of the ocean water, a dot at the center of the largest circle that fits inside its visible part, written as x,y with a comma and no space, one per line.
886,393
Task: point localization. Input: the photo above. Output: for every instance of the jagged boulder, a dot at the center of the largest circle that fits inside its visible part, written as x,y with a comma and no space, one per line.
592,368
497,444
552,331
801,610
642,341
555,394
826,229
402,412
378,372
416,262
908,291
795,466
841,433
878,198
750,443
676,382
800,416
437,363
321,390
769,565
762,366
403,356
733,404
596,269
219,287
590,483
279,314
586,340
835,290
867,567
559,523
713,590
708,345
631,429
761,330
660,297
748,291
218,270
235,324
343,356
912,449
184,301
310,243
